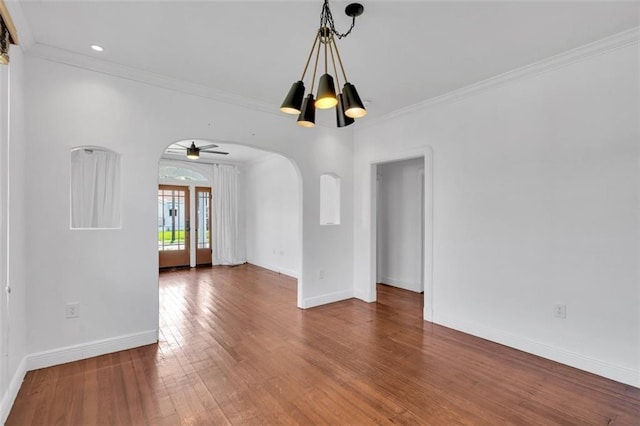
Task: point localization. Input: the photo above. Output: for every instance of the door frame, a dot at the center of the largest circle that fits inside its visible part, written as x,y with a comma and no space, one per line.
427,154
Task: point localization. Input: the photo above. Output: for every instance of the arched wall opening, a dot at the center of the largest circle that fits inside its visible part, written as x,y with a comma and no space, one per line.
116,270
269,203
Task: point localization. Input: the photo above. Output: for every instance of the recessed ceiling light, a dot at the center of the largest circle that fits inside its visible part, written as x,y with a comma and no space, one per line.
97,48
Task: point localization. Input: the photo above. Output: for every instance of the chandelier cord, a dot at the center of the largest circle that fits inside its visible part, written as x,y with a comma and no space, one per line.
306,67
315,68
333,61
335,45
326,20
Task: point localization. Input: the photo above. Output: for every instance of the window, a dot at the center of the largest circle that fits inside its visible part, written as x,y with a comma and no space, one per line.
168,172
329,199
95,188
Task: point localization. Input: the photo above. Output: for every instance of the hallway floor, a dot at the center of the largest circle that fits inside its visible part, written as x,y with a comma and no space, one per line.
234,349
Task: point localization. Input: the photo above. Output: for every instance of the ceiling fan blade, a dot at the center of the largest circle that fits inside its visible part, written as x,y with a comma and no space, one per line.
214,152
211,145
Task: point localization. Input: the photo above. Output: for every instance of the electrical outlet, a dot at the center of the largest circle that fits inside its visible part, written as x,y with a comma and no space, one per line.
73,310
321,274
560,310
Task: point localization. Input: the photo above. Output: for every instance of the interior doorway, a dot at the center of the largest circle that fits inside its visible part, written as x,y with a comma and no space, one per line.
421,174
400,224
246,206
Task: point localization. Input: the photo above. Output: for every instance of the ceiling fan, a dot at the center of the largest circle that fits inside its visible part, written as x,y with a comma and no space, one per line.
193,151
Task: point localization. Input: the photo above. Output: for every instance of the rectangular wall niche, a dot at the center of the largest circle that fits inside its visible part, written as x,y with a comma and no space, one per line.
95,188
329,199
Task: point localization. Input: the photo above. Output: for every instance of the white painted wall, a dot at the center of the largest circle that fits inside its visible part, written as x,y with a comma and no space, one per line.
113,274
536,202
13,263
271,196
399,237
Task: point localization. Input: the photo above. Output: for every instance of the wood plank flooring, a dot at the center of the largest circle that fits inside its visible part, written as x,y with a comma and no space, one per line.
234,349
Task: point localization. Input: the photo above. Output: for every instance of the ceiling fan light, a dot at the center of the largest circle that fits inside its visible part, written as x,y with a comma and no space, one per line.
307,116
353,106
193,152
293,101
326,93
342,120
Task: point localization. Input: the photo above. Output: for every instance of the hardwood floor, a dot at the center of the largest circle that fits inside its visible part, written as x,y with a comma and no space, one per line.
234,349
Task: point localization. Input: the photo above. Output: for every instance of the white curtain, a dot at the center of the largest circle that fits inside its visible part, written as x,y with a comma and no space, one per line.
95,188
225,215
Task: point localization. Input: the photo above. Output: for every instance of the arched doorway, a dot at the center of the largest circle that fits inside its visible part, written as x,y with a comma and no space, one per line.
269,203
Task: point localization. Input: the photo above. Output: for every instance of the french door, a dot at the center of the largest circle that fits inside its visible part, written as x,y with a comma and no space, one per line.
173,226
203,226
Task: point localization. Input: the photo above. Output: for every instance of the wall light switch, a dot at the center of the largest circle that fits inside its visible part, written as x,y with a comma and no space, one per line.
73,310
560,310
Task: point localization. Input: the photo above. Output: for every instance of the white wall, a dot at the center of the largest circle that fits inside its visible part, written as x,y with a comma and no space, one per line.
113,274
399,237
13,239
272,214
535,202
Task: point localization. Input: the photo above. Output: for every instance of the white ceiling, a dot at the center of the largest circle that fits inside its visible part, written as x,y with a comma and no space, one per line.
400,52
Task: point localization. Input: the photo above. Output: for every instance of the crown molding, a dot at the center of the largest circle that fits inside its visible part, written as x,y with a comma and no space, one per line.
66,57
607,44
62,56
43,51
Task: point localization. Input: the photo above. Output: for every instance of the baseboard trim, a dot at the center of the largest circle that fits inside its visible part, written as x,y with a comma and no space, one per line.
12,391
324,299
90,349
284,271
427,314
563,356
401,284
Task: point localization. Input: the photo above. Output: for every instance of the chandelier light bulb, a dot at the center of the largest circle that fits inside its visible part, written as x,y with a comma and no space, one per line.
326,93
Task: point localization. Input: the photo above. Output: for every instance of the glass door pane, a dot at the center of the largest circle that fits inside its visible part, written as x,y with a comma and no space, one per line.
173,226
203,228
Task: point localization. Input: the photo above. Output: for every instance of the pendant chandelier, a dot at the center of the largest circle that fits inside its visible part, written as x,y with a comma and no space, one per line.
346,102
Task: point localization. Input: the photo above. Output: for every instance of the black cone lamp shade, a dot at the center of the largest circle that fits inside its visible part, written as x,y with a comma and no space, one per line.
342,120
293,102
307,116
353,106
326,93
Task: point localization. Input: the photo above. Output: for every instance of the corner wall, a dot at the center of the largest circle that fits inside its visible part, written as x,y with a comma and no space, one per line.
14,238
271,202
536,203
